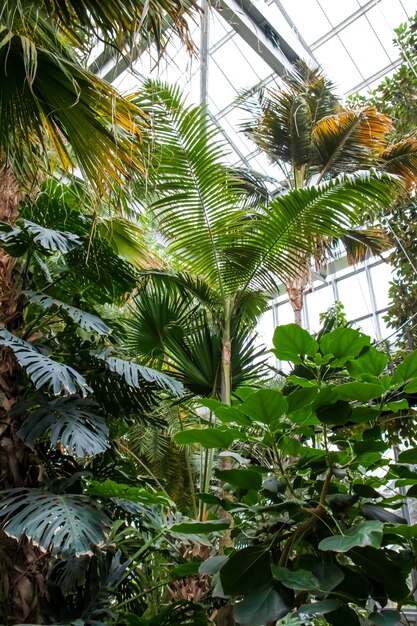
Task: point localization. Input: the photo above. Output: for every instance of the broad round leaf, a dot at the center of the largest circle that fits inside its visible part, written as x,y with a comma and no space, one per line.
293,343
299,579
363,534
343,344
207,437
261,607
264,405
243,478
246,569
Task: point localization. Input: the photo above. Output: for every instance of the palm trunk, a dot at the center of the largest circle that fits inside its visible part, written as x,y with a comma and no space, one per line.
22,565
295,291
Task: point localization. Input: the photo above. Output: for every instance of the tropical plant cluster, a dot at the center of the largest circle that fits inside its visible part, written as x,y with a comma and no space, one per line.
158,467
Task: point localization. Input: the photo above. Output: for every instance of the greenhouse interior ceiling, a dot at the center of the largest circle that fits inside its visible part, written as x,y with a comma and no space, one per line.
208,313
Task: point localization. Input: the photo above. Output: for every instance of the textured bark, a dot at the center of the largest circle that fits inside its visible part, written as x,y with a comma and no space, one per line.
23,566
295,290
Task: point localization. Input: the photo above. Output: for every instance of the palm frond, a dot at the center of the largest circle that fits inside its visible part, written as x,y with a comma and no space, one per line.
277,242
193,185
349,140
360,243
283,128
65,524
142,21
128,240
42,370
47,96
401,159
72,422
156,314
85,320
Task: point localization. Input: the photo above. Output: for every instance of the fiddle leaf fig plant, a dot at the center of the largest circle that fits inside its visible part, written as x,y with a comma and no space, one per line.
319,523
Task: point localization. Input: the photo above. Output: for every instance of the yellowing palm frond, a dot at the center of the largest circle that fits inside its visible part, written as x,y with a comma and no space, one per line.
401,159
48,102
350,140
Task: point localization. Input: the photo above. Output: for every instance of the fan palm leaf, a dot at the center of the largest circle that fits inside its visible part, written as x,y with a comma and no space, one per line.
116,18
49,98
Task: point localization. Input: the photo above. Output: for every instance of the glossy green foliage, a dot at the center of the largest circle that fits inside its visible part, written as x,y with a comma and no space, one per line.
318,513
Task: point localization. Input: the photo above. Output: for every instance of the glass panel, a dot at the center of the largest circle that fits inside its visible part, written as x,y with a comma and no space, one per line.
318,302
308,18
384,30
338,65
381,276
354,294
266,328
367,326
336,12
285,314
364,47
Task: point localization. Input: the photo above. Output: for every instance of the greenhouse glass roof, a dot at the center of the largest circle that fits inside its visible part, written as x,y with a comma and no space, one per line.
244,44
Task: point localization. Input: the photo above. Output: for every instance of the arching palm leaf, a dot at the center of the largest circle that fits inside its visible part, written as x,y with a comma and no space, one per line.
191,176
285,231
115,18
42,370
401,159
64,524
47,96
349,140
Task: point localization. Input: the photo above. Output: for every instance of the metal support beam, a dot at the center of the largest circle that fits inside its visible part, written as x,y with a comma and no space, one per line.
279,51
204,52
349,20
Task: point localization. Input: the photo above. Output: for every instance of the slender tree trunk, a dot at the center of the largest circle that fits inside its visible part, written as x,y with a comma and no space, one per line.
295,290
23,566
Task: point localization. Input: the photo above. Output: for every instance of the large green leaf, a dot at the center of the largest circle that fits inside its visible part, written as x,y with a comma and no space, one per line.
245,570
385,618
243,478
64,524
344,344
133,372
208,437
262,606
293,343
328,574
85,320
408,456
299,579
71,422
372,362
200,528
46,238
42,370
317,608
361,392
264,405
363,534
406,371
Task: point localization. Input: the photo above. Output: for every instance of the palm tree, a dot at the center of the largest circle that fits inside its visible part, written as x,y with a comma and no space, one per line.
214,232
305,131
